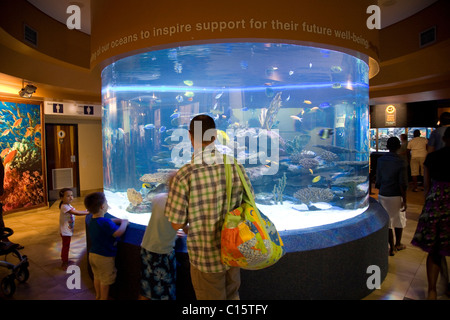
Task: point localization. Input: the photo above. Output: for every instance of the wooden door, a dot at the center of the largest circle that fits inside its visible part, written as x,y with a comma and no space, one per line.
62,159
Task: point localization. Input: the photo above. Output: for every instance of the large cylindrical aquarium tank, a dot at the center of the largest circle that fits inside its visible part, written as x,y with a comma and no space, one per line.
295,116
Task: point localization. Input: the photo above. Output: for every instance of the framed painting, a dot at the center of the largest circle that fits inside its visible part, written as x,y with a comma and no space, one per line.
22,155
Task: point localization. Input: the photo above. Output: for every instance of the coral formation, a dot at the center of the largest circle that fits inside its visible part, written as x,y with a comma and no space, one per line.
22,189
279,189
134,197
308,163
313,195
325,155
297,144
355,185
328,156
336,149
160,176
29,156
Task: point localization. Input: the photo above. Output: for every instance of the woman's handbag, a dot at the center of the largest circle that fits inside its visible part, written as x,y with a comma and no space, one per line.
249,239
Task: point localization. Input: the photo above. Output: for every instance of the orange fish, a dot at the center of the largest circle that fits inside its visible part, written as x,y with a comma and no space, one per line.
17,123
6,132
4,152
29,132
37,128
10,157
37,141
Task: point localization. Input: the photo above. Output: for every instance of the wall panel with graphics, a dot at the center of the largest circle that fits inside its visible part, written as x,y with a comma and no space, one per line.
21,143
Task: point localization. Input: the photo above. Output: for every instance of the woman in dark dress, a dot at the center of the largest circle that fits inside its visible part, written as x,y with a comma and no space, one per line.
433,228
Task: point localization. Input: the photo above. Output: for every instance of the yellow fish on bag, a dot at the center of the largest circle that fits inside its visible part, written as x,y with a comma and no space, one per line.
245,233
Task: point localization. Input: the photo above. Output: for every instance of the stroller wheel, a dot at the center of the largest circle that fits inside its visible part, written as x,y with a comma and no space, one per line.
23,274
8,286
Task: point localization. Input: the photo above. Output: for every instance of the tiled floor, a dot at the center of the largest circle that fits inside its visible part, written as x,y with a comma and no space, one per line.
407,274
38,231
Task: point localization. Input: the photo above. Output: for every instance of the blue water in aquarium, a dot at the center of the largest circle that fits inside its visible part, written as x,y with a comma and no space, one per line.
295,116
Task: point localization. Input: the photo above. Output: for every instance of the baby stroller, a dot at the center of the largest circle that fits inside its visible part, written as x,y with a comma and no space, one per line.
18,271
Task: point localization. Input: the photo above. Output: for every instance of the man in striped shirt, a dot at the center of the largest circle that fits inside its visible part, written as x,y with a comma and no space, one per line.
197,197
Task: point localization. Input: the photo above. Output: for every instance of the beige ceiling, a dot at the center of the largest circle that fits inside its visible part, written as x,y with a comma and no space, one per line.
392,11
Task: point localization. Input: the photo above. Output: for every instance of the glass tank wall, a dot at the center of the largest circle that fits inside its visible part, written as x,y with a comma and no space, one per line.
295,116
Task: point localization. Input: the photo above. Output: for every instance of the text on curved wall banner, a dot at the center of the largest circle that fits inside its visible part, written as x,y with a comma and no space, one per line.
346,24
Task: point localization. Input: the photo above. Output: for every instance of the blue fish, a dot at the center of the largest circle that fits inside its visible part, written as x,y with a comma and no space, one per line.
174,115
149,126
179,98
269,92
162,129
324,105
244,64
244,109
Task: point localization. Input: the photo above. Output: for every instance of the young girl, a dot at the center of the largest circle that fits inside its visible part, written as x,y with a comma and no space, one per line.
66,223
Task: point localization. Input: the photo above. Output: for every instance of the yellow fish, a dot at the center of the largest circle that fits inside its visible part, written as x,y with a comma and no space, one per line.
310,170
316,179
188,83
307,102
146,185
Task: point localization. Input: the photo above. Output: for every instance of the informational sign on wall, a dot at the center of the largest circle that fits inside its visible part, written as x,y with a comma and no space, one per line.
72,109
390,116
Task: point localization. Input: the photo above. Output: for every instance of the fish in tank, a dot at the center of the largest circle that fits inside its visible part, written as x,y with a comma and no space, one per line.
295,116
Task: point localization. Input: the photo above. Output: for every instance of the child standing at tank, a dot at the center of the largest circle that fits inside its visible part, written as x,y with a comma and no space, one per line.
103,233
157,253
66,223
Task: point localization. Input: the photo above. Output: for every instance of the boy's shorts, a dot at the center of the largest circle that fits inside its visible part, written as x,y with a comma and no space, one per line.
103,268
158,281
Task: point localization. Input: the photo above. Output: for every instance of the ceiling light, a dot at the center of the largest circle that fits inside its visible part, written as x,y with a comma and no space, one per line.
27,91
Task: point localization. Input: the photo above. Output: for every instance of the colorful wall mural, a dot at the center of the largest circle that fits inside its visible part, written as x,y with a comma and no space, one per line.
22,155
